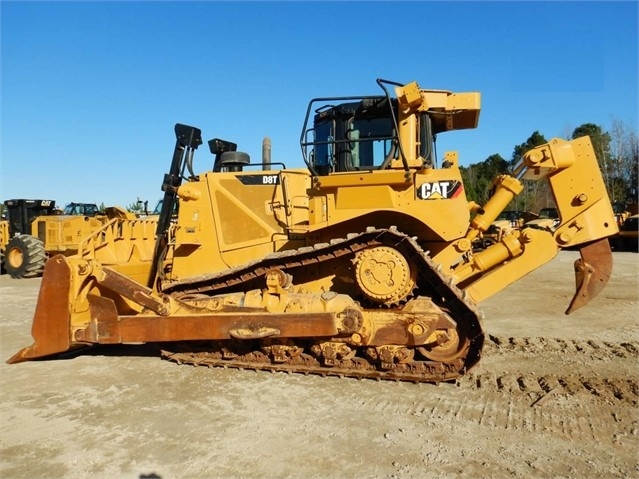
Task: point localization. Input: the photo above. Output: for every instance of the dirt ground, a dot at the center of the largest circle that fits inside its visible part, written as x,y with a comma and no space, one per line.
553,396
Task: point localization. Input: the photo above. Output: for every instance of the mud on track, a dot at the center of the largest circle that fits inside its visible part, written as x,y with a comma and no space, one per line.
553,396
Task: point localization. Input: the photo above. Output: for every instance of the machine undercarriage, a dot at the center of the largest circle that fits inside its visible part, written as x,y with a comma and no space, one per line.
406,298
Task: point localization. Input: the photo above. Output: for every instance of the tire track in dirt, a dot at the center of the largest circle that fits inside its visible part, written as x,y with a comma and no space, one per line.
567,405
509,413
616,390
595,349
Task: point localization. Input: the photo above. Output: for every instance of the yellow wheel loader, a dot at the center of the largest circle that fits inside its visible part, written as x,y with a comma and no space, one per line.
359,265
23,254
4,239
37,230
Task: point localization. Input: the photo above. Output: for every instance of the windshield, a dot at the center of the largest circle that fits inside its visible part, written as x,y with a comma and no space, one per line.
80,209
323,151
353,142
158,208
371,141
350,136
360,136
365,144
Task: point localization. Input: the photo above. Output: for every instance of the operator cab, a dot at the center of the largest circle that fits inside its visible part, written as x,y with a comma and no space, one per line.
358,136
86,209
366,133
21,213
353,136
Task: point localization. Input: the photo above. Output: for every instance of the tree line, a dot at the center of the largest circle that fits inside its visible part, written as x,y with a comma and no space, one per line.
617,153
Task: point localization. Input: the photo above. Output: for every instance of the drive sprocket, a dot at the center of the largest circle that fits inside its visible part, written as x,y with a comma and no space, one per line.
384,275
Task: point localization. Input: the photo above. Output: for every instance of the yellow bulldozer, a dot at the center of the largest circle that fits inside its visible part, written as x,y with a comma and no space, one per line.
358,265
36,230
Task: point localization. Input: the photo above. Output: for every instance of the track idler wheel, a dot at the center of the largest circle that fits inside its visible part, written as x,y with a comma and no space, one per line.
445,345
384,275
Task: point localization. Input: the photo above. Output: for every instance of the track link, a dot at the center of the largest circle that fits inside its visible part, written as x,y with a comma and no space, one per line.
431,282
359,368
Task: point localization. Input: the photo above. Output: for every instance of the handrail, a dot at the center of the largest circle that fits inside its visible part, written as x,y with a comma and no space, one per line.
115,242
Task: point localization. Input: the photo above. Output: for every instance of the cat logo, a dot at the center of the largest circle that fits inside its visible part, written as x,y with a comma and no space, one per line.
439,190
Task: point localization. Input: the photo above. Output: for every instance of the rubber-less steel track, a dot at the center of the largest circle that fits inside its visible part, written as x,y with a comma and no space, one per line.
430,282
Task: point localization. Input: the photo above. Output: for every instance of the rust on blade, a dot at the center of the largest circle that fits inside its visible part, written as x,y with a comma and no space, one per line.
51,327
592,272
112,329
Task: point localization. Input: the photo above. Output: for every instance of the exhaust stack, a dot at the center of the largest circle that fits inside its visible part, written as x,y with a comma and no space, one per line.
266,153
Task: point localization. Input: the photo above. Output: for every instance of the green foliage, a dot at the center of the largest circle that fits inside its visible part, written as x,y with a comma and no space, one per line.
600,140
536,194
617,154
136,207
478,178
535,140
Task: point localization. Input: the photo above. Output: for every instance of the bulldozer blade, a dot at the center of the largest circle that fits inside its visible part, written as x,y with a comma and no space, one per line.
51,323
592,272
